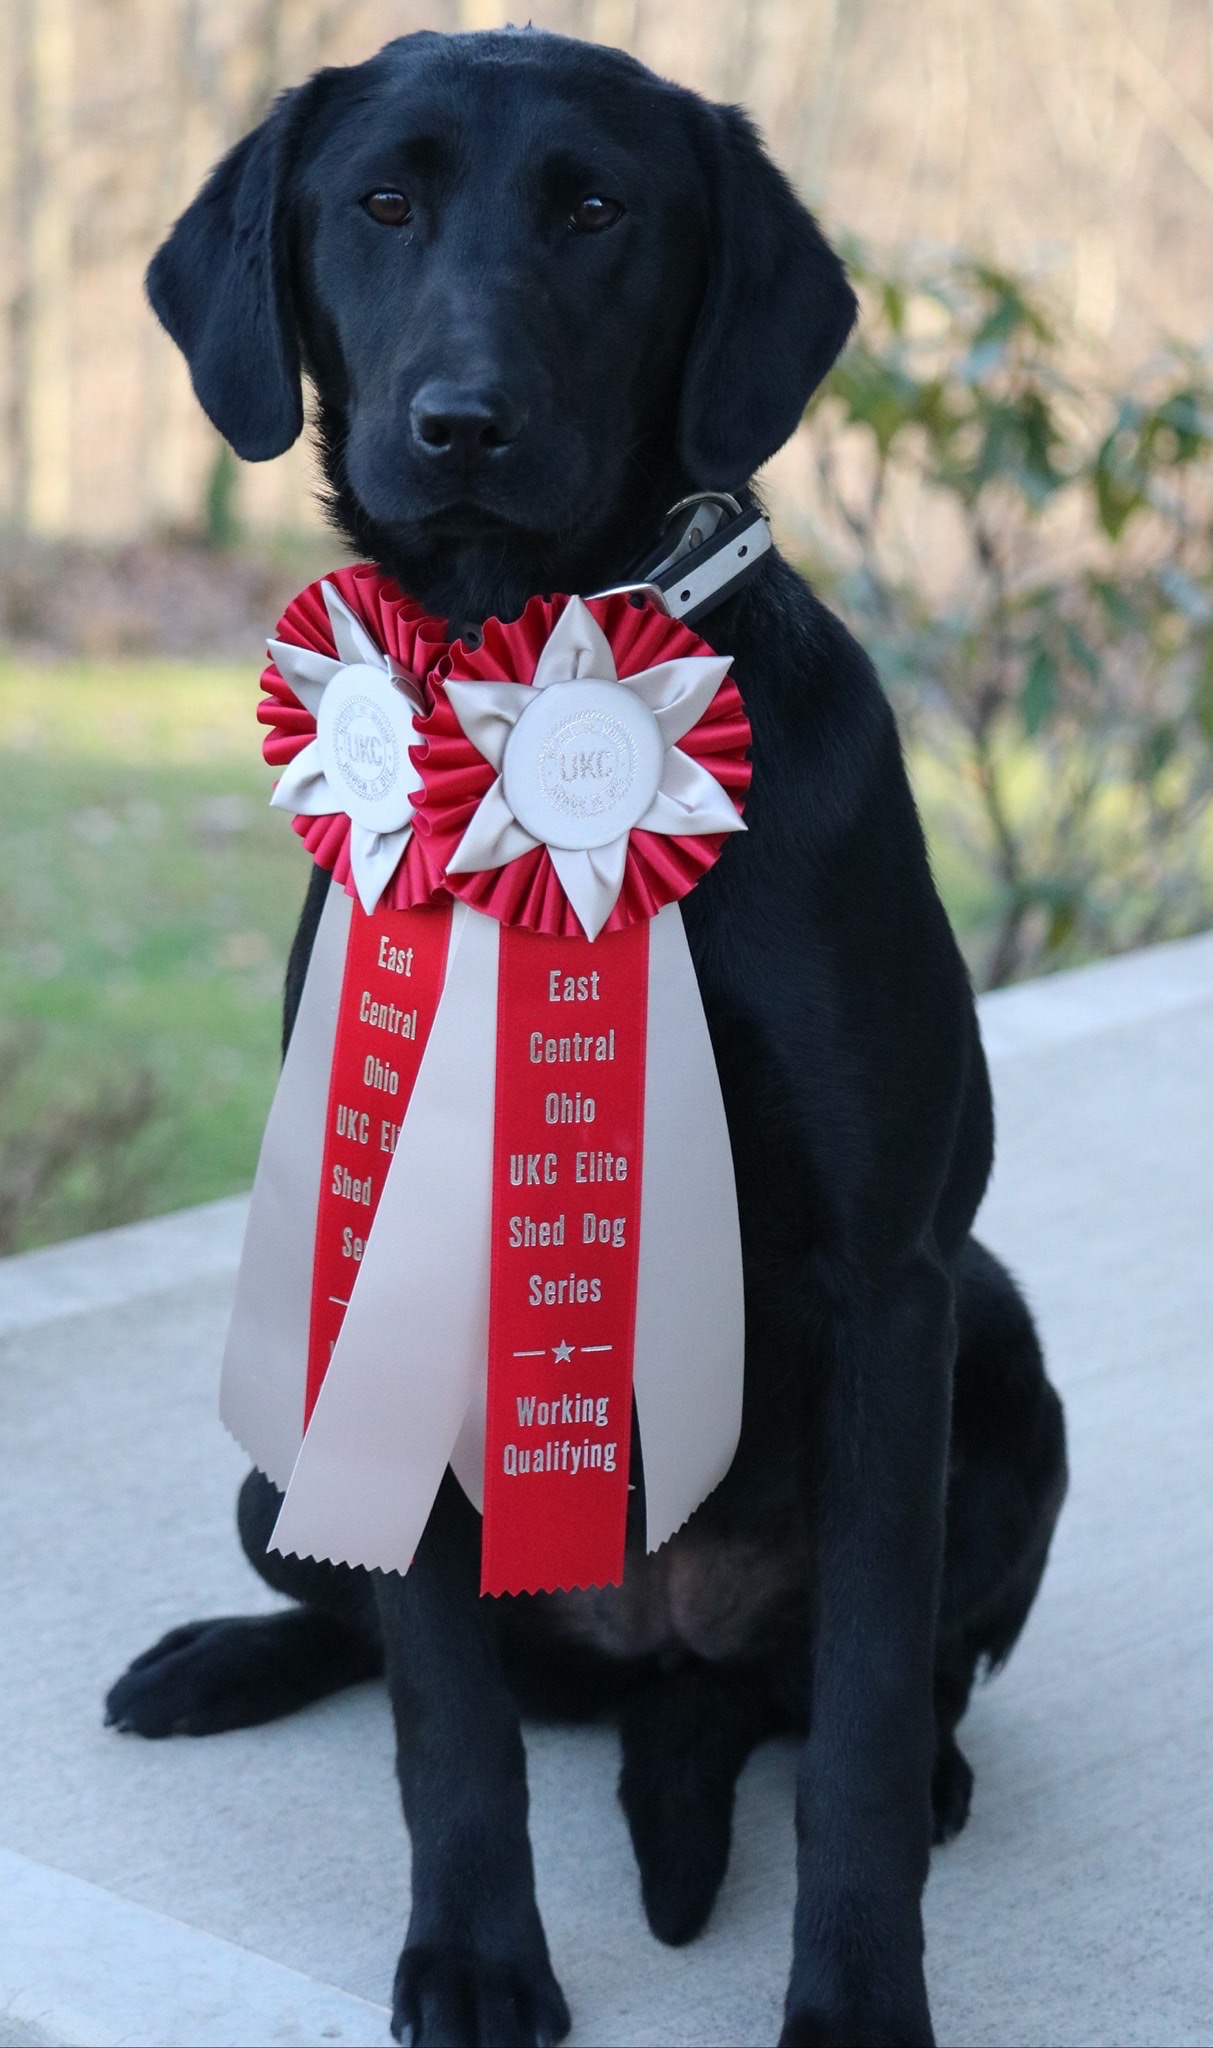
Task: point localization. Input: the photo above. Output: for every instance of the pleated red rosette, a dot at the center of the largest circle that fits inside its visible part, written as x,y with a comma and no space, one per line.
404,631
526,892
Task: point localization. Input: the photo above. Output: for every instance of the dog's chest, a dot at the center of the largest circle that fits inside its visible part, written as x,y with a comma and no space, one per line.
717,1597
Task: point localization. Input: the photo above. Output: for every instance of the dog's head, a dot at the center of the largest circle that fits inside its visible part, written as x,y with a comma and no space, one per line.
540,293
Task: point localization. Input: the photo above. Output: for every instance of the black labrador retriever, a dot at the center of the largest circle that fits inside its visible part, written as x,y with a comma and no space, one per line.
541,295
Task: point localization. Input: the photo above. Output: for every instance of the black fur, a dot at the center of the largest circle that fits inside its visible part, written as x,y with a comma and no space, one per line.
884,1527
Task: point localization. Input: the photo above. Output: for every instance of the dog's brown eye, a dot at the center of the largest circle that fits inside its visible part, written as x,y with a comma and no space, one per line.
592,214
390,209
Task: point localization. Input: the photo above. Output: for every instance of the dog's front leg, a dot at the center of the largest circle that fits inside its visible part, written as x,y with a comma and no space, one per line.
875,1476
475,1967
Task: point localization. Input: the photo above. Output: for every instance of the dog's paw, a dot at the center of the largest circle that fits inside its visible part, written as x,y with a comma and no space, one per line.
863,1988
443,1995
951,1792
807,2028
175,1688
211,1676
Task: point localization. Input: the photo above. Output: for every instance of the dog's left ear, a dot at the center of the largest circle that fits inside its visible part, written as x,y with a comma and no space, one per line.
775,314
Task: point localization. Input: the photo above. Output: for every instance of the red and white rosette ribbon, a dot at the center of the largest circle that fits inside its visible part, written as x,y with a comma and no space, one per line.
349,663
343,689
580,771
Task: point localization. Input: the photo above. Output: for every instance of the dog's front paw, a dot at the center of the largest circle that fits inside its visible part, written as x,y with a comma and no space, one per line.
446,1995
860,2022
860,1994
805,2028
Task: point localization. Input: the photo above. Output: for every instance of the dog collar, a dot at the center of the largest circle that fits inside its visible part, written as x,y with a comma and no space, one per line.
717,547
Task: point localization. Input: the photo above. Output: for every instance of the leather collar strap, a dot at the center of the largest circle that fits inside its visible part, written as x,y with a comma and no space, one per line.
717,549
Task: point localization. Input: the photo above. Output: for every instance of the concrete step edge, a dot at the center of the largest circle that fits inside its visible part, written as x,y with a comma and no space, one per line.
81,1966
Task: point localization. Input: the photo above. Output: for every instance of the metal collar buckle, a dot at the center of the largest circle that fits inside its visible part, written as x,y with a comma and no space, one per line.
717,548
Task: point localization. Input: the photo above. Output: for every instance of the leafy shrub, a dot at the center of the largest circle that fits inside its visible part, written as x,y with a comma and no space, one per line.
1027,550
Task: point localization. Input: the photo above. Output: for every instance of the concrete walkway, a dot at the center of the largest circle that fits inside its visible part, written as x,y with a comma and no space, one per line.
252,1888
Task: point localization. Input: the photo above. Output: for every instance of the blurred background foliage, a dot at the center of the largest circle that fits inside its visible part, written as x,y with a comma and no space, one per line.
1028,555
1005,487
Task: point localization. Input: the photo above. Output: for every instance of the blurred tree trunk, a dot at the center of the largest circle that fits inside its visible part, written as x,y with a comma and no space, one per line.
265,37
241,110
12,183
42,320
614,21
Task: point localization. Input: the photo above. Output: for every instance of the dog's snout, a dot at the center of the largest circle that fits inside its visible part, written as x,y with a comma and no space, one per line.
462,423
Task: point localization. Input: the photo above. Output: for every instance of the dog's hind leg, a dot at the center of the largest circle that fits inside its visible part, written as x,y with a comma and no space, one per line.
685,1737
1006,1484
239,1670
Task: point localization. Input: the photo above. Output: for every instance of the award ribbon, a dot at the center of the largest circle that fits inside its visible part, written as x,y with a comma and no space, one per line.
341,697
567,1150
521,1215
394,966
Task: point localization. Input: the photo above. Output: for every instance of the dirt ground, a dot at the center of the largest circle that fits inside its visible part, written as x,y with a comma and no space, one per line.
162,596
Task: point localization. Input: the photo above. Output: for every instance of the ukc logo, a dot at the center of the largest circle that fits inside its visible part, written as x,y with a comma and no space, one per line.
587,765
583,763
364,749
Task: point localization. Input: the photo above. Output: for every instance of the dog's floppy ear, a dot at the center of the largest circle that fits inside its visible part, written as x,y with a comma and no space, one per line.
220,285
775,314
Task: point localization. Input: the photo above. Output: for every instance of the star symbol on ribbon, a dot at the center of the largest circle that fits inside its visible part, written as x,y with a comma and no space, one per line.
562,1352
626,728
309,786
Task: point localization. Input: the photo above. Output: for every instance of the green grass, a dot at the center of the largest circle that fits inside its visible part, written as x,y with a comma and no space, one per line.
147,900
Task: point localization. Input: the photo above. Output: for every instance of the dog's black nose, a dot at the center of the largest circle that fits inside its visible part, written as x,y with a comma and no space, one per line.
461,423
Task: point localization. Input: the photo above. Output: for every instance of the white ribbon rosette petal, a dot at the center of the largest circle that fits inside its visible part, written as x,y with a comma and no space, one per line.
359,762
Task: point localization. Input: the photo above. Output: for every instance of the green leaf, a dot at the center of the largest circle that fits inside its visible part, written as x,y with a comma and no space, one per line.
1157,747
1039,693
893,304
877,394
1119,607
1202,695
1189,417
1081,650
1115,500
1063,922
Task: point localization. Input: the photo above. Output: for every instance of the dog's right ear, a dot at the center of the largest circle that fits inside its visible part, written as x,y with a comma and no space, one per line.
775,314
220,285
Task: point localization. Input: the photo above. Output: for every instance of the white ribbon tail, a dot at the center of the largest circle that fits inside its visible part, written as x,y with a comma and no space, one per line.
410,1361
263,1386
405,1391
690,1318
